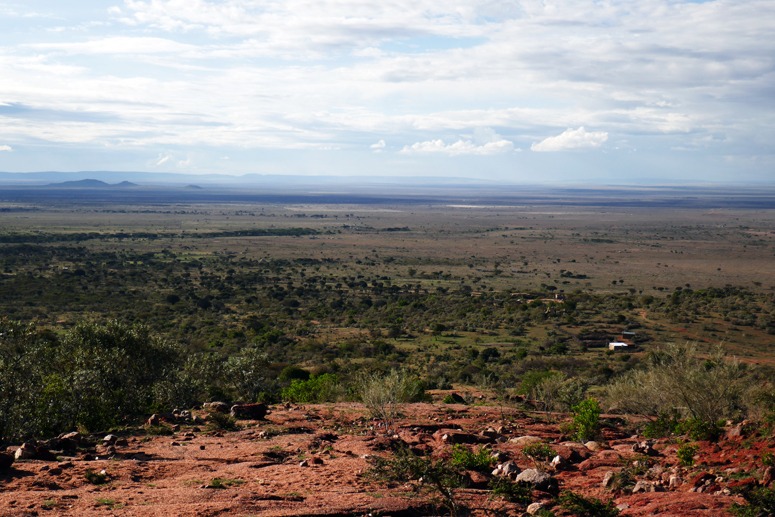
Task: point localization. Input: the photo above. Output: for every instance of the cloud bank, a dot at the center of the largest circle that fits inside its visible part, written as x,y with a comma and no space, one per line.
283,85
571,139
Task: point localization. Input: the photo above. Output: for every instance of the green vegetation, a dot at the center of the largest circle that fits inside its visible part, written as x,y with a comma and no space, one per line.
383,394
586,419
96,478
707,388
581,506
508,490
116,312
468,459
540,453
760,502
316,389
685,454
222,483
435,475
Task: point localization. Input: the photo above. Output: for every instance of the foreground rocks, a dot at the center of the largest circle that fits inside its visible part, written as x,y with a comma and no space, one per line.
315,460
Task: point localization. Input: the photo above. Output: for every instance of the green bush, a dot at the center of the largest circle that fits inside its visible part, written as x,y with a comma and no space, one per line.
557,392
93,376
539,453
503,487
316,389
383,394
581,506
586,419
221,422
707,389
760,502
435,475
468,459
700,429
685,454
666,424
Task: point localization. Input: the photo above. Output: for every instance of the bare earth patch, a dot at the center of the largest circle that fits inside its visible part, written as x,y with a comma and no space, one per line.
311,460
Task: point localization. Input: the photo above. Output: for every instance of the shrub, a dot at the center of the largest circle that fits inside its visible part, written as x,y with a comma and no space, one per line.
586,419
96,478
760,502
382,394
503,487
465,458
93,376
221,421
435,475
686,454
558,393
581,506
539,453
677,378
247,374
666,424
316,389
700,430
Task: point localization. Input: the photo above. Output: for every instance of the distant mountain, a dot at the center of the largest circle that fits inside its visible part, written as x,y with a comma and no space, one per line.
91,183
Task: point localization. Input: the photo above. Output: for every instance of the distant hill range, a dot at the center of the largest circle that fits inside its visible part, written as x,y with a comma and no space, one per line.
91,183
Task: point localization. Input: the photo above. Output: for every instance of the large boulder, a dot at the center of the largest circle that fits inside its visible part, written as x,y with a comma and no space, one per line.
249,411
539,479
6,460
216,407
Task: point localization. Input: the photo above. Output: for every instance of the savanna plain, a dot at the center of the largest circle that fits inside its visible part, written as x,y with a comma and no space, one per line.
186,355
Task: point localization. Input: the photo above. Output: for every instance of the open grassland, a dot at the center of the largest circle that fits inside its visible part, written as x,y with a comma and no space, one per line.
418,277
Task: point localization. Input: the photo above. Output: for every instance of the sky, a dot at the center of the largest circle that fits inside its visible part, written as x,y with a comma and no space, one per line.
623,92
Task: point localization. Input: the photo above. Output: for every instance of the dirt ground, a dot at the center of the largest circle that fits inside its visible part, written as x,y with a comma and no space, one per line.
312,460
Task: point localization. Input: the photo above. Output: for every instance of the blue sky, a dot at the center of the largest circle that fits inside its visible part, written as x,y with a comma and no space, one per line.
527,91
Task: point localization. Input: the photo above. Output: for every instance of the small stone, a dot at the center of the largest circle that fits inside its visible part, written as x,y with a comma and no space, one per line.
110,439
594,446
674,482
608,479
643,486
303,463
534,508
767,476
645,447
557,462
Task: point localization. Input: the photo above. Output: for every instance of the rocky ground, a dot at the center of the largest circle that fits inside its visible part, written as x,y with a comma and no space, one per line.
315,460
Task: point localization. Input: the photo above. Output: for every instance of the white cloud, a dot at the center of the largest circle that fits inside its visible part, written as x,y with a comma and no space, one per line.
162,159
571,139
224,77
119,45
460,147
6,148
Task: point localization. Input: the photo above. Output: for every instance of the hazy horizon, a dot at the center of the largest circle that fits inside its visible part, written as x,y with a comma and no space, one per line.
582,92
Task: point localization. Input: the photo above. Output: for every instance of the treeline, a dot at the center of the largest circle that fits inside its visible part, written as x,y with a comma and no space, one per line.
40,238
94,377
